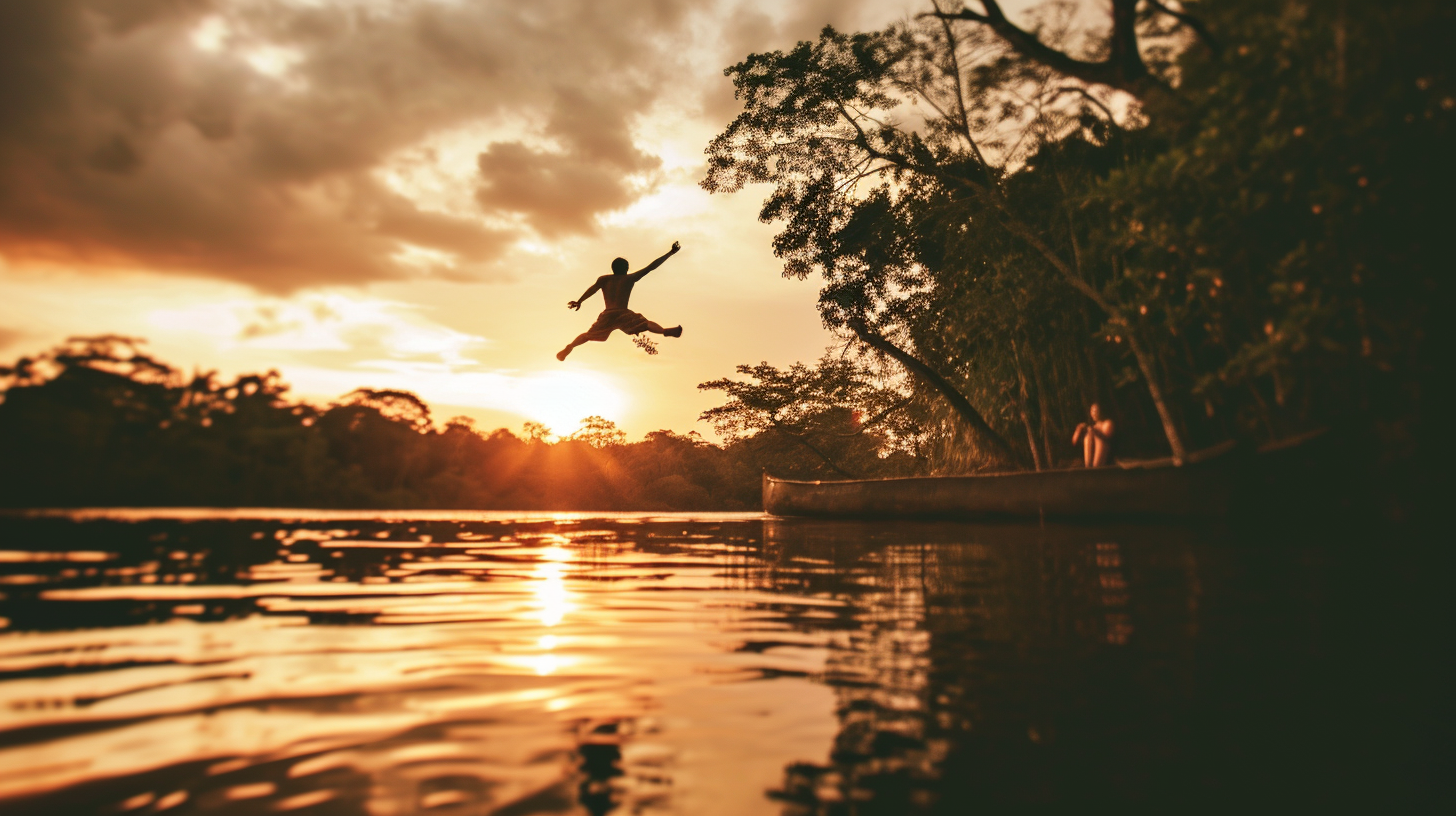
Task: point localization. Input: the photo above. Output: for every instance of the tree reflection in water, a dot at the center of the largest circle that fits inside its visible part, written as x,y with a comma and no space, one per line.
999,669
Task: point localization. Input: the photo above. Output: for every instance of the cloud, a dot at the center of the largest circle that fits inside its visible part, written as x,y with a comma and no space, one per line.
242,139
563,190
747,28
323,322
10,338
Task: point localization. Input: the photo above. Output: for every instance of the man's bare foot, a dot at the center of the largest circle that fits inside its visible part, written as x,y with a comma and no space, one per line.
561,355
675,331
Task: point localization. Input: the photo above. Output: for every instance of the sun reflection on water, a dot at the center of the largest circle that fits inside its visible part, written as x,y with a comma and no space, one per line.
552,597
547,664
553,601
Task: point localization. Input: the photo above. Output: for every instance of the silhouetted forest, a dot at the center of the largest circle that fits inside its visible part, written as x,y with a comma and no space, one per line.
97,422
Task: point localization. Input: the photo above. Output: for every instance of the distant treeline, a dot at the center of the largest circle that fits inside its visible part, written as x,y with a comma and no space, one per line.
97,422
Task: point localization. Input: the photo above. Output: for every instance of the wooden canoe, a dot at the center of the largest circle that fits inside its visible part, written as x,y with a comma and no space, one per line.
1213,484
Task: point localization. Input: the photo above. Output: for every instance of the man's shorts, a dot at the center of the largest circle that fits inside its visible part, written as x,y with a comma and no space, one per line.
623,320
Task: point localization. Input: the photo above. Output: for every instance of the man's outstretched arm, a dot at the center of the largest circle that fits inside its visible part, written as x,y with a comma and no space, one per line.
576,304
658,262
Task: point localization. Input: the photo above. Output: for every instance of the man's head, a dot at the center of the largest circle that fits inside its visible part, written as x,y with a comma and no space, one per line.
619,266
1096,412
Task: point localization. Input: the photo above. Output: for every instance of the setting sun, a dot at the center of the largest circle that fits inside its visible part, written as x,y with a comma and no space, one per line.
560,400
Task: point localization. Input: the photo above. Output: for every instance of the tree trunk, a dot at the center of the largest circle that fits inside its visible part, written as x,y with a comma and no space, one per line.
1030,435
1145,364
1025,416
985,437
1046,417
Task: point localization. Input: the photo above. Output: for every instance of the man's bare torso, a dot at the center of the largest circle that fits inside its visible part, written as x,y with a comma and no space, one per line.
617,289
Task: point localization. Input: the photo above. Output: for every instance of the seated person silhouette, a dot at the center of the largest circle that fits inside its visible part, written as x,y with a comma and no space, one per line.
616,290
1095,438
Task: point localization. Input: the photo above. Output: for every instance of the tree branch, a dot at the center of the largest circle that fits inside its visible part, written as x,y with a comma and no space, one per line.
1192,22
986,437
1123,69
778,426
951,46
1083,92
877,418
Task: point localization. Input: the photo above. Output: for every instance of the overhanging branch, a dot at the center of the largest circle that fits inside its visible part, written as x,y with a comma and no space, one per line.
1192,22
798,437
1123,69
986,437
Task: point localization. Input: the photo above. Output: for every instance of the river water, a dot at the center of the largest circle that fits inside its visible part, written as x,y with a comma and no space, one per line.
317,662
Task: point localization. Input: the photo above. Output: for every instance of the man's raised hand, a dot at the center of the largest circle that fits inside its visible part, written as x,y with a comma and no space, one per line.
676,246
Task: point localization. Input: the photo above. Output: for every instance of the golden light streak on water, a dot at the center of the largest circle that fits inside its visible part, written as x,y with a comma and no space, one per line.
550,589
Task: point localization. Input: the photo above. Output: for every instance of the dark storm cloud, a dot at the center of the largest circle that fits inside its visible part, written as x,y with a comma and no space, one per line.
124,141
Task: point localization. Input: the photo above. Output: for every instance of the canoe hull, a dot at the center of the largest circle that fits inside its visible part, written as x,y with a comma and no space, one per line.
1059,494
1215,486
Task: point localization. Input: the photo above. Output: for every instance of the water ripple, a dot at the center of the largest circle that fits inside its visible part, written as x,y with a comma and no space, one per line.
269,666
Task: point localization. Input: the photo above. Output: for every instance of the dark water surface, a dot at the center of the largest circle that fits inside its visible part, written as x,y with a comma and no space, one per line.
342,663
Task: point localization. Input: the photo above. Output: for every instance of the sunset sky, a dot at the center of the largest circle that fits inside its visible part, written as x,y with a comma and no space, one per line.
397,193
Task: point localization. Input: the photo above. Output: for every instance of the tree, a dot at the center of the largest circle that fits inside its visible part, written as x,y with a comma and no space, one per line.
1248,236
817,124
809,128
599,433
831,411
396,406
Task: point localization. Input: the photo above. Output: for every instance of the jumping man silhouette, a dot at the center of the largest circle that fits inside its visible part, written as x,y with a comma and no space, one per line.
616,291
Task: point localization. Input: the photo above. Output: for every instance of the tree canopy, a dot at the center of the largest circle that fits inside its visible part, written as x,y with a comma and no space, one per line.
1216,218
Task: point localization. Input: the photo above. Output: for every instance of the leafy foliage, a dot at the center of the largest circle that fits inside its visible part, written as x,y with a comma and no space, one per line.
1226,231
832,411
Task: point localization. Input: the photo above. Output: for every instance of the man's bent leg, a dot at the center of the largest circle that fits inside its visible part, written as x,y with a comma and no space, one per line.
580,338
656,328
